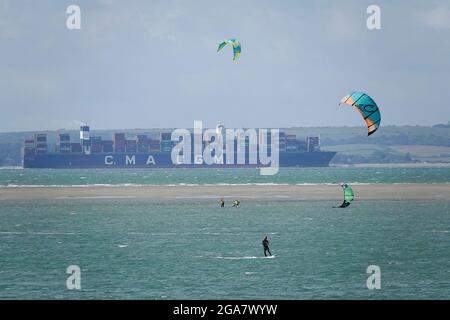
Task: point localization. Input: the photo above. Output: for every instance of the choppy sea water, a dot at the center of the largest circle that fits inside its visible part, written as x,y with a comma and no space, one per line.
191,249
62,177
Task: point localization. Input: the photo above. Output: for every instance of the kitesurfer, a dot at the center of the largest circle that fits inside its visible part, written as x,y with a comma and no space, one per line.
348,195
344,204
265,244
222,203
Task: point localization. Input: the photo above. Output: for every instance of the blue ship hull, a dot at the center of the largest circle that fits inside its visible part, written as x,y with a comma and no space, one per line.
159,160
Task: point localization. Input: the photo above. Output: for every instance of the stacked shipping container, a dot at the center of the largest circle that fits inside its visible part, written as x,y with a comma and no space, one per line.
142,144
291,143
166,142
63,143
96,145
108,146
145,144
40,142
119,142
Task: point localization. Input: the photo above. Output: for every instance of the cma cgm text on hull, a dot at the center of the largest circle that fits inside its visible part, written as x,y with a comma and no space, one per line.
178,148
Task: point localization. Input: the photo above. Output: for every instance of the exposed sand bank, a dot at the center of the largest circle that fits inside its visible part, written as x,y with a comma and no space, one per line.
262,192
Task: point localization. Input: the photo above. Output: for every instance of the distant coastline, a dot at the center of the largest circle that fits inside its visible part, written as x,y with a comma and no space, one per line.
396,165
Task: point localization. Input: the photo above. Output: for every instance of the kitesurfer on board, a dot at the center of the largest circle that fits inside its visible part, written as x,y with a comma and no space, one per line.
265,244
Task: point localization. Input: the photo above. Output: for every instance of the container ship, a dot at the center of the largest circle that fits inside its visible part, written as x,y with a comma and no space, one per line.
154,151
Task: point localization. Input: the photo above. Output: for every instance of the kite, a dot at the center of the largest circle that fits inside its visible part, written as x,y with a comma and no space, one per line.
236,47
367,107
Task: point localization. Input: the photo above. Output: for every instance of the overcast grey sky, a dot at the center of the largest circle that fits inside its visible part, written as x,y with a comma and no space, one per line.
143,64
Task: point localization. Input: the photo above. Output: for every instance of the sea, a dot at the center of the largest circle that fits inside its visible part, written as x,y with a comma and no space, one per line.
192,249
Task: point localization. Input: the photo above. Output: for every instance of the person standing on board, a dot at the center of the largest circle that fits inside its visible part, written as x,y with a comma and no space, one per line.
265,244
344,204
222,203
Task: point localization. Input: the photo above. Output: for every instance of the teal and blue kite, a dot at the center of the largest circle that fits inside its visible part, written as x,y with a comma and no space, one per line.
367,107
236,47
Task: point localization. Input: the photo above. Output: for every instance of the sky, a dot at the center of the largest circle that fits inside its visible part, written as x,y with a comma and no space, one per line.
154,64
